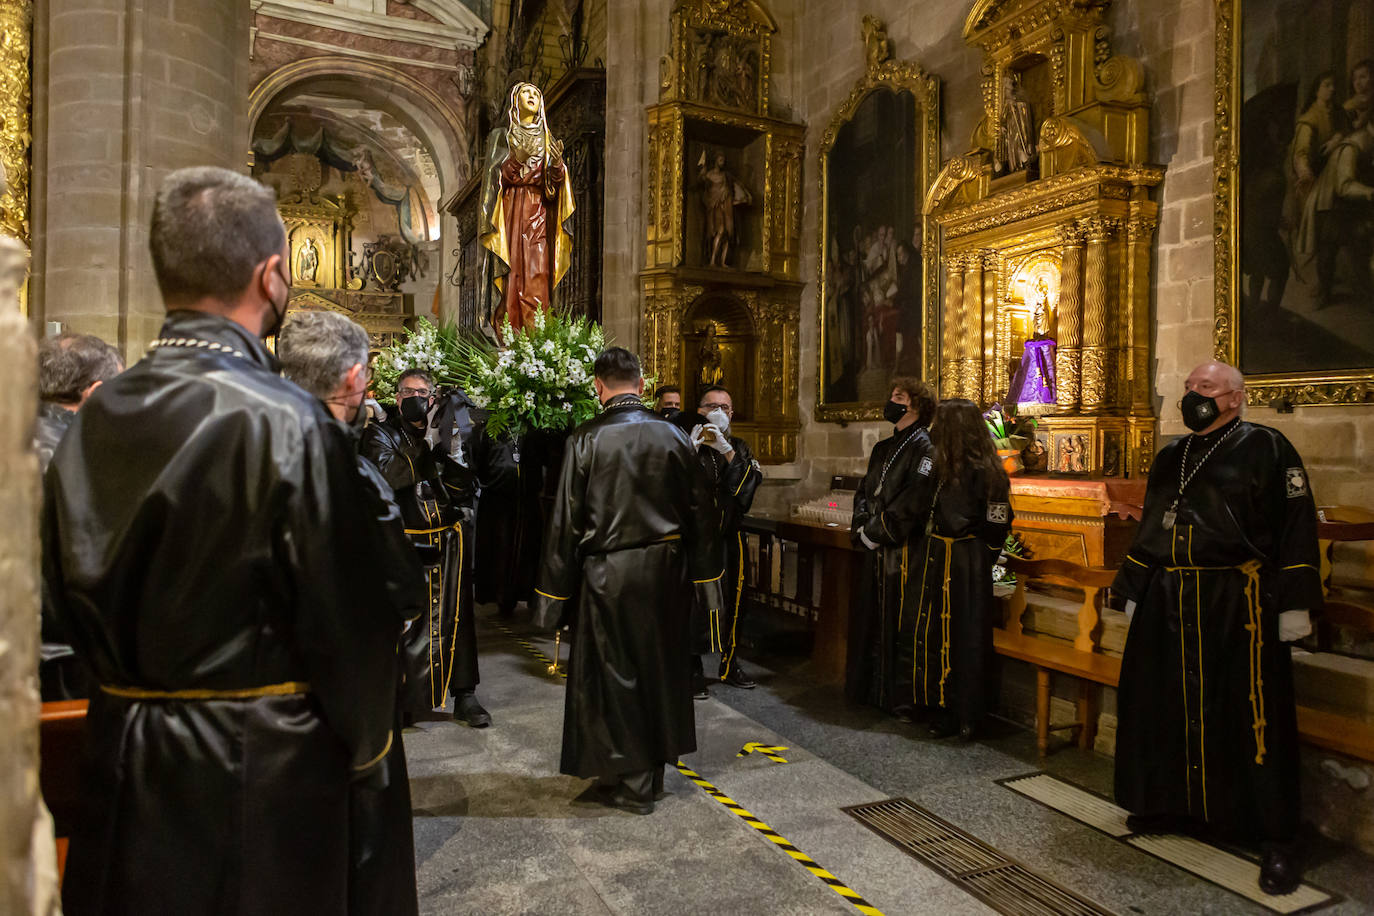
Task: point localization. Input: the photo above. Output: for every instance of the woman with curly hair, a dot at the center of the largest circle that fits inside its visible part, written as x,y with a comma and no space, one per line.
950,623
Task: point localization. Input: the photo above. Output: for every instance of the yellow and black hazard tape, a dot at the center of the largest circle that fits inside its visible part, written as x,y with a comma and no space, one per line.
835,884
772,752
735,808
531,648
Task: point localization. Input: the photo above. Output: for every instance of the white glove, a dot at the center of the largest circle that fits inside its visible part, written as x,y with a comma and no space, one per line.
718,441
375,409
698,436
1130,610
1294,625
867,541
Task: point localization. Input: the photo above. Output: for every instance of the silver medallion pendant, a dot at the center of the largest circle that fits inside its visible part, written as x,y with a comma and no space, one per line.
1170,517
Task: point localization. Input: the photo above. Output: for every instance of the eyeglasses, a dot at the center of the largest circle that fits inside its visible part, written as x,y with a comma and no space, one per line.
729,411
408,392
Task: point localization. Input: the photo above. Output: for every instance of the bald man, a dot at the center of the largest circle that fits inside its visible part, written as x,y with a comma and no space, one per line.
1219,580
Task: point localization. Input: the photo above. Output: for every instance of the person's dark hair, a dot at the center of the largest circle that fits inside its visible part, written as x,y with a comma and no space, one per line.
666,389
416,372
712,389
1316,86
922,400
211,228
316,350
1367,65
70,363
617,366
963,444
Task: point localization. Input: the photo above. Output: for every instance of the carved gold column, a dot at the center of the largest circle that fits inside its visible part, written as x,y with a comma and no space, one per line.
992,369
1136,345
1096,343
16,18
971,329
953,321
1069,328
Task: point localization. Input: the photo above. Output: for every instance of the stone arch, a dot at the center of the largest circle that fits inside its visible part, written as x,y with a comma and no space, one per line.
413,103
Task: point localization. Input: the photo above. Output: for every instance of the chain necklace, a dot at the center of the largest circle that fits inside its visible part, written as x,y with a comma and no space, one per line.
194,343
1171,516
882,478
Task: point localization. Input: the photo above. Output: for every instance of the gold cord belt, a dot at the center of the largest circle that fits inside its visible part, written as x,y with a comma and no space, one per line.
289,688
944,609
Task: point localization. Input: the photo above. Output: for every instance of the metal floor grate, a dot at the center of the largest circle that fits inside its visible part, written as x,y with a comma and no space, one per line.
1001,882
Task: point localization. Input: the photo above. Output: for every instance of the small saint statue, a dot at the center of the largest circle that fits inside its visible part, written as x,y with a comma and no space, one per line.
1032,387
307,262
1016,144
721,192
527,207
712,371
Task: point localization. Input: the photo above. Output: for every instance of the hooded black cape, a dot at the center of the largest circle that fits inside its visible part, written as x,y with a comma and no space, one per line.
206,546
1206,720
633,528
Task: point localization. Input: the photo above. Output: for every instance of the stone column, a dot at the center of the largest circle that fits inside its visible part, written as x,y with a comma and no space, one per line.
1069,324
992,368
1096,390
971,329
127,92
28,871
1135,353
951,326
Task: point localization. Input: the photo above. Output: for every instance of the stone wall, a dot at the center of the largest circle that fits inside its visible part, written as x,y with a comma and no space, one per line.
124,92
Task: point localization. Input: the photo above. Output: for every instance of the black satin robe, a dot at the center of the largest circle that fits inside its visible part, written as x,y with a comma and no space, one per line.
949,607
1206,720
891,508
633,528
435,496
207,541
733,484
510,516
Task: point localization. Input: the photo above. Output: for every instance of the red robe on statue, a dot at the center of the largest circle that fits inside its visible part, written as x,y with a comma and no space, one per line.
525,209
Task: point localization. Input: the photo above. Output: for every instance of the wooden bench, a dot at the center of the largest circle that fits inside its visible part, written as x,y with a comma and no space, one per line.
1081,661
61,728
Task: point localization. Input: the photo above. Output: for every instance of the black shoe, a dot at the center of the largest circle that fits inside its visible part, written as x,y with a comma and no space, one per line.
942,727
699,691
905,713
736,677
467,709
965,733
659,793
1279,871
617,798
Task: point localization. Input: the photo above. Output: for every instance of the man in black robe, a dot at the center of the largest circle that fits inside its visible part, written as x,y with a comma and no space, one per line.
206,541
733,476
633,529
890,514
510,516
326,354
434,487
1221,576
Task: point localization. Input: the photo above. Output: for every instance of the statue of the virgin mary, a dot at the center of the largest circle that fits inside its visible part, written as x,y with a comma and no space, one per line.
527,207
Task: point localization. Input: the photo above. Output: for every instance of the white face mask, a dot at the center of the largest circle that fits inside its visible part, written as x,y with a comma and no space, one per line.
720,419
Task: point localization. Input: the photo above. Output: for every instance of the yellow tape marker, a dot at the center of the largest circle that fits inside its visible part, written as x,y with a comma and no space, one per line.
765,750
533,650
835,884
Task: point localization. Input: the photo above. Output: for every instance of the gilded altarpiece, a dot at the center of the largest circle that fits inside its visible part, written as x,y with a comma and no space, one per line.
721,286
319,230
1048,230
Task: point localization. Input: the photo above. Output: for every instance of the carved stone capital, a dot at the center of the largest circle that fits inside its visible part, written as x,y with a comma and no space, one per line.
1140,228
1070,234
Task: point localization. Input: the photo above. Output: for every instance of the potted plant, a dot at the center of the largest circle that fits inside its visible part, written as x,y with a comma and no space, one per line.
1010,435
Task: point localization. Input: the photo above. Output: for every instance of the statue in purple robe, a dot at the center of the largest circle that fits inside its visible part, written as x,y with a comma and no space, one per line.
1032,386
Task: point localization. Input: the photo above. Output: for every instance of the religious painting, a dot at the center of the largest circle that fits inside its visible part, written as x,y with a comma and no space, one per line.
877,298
1295,198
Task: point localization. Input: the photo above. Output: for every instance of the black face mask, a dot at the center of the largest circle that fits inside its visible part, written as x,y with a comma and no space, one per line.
668,412
414,409
1199,411
893,412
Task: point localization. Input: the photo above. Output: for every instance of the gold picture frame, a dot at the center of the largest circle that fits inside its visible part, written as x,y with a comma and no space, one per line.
883,75
1279,388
